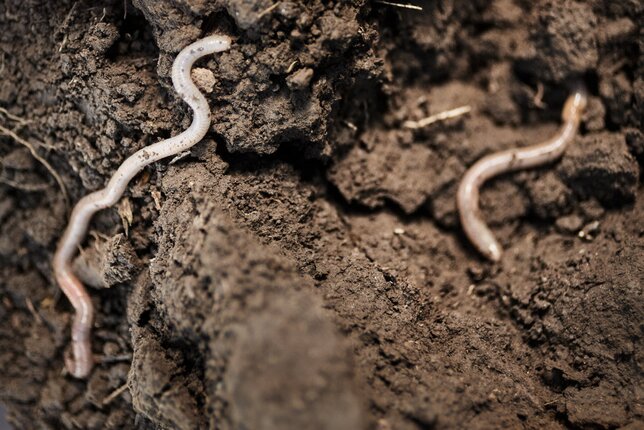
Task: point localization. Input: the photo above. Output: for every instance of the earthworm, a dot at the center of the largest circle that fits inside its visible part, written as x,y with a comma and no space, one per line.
81,362
467,198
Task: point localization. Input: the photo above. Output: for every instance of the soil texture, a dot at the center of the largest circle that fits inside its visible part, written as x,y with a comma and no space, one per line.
303,266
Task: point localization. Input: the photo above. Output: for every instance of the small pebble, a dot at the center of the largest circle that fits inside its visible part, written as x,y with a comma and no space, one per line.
204,79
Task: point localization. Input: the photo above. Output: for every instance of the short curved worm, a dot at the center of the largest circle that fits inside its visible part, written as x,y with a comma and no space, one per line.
81,362
467,198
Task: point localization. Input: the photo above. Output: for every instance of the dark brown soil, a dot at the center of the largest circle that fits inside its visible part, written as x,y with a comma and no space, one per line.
303,266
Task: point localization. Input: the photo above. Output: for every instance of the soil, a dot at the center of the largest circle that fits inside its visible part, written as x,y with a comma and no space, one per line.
303,266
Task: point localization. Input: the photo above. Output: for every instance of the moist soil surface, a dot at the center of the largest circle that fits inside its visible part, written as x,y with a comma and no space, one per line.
303,266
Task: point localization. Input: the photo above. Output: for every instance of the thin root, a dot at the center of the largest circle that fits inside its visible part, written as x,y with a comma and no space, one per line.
114,394
538,97
116,358
267,10
22,186
13,117
40,159
401,5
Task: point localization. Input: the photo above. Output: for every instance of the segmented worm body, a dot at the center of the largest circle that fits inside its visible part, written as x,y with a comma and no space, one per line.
81,362
467,199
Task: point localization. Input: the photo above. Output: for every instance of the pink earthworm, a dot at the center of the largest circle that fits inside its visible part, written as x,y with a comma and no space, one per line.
467,198
81,362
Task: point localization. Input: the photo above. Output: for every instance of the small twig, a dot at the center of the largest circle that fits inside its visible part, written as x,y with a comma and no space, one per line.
267,10
40,159
441,116
109,399
401,5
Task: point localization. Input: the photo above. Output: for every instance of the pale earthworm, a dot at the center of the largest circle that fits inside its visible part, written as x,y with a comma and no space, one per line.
467,198
81,362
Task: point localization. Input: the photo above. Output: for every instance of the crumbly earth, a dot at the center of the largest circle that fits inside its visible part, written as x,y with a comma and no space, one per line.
303,267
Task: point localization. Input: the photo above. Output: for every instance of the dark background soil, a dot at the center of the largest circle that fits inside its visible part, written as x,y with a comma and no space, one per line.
303,266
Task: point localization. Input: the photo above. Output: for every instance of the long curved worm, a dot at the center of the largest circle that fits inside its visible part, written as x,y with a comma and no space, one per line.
467,197
81,362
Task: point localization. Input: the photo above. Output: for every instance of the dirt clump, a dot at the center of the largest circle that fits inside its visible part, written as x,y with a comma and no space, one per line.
601,166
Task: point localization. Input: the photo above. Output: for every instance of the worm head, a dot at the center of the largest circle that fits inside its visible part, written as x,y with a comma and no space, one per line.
575,105
493,251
